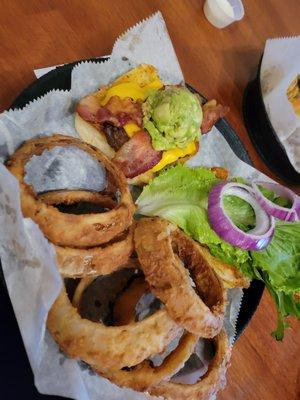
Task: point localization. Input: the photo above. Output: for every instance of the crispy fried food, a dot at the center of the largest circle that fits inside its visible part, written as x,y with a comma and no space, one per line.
144,375
105,259
124,307
72,230
161,249
210,384
112,347
229,275
82,285
70,197
221,173
100,260
293,94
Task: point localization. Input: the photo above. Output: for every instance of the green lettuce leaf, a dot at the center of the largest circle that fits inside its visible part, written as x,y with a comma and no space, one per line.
279,267
240,212
287,305
281,259
280,201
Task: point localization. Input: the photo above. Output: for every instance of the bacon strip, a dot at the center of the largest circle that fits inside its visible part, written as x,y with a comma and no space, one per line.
212,112
87,108
126,110
137,155
117,111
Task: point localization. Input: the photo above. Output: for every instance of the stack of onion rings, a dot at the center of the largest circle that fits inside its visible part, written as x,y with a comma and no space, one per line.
121,352
110,346
86,244
178,271
146,377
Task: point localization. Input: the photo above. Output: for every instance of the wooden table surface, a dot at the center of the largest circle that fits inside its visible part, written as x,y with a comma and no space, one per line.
35,34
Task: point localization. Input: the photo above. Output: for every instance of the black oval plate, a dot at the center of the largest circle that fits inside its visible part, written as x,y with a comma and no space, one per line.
262,134
16,372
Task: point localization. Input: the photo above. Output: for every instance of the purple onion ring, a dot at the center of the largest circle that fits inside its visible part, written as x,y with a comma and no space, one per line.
286,214
257,238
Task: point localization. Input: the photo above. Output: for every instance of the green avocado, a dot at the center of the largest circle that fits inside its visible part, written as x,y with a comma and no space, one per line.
173,117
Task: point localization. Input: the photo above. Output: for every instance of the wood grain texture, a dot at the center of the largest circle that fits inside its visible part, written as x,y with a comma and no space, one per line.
219,63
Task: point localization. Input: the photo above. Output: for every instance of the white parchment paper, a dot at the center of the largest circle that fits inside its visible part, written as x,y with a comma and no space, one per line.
148,42
280,66
28,259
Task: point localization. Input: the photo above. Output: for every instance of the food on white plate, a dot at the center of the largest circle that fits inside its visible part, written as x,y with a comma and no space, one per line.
253,227
293,94
180,277
144,125
158,379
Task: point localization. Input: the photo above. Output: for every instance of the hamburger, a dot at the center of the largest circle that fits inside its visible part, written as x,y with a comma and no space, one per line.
144,125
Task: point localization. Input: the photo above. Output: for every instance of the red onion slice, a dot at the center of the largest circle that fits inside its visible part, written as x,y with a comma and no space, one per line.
257,238
283,213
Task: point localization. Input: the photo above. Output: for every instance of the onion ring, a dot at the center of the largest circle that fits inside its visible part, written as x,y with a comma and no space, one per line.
105,259
82,285
101,260
85,282
63,229
69,197
124,307
210,384
109,346
170,281
144,375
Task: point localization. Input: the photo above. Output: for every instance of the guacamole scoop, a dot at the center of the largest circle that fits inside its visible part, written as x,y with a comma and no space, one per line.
172,117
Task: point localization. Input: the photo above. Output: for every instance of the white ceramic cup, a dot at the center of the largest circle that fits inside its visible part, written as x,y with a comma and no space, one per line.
221,13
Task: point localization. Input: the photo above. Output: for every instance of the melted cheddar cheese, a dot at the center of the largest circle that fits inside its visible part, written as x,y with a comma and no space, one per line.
170,156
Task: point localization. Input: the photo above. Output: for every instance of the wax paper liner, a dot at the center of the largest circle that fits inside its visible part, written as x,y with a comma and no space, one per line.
45,115
146,42
28,259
